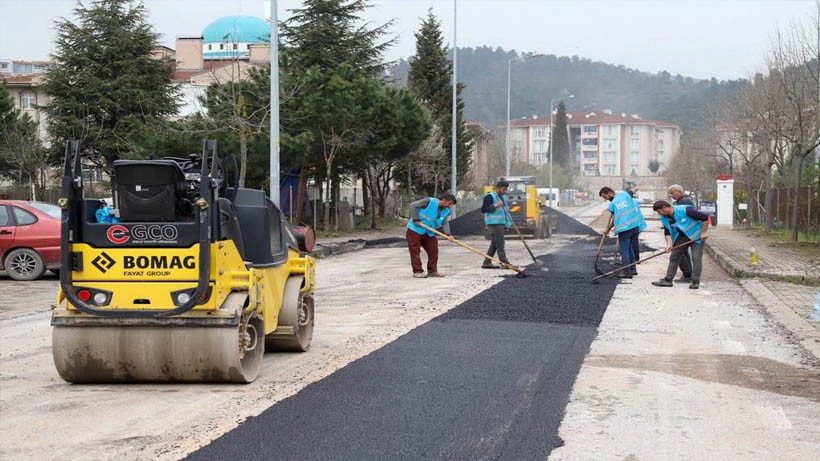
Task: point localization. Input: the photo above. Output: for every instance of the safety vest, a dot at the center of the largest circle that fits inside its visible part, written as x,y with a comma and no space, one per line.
499,216
690,227
431,216
626,213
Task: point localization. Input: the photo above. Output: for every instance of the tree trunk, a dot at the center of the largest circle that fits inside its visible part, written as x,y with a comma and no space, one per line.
243,157
797,172
301,194
328,169
769,201
372,199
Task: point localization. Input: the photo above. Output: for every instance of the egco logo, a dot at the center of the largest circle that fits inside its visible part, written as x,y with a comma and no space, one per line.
118,234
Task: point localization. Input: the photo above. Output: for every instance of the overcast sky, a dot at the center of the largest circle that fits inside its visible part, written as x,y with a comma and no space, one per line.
726,39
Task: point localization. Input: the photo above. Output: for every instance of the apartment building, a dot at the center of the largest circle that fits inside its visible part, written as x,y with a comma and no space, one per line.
24,80
601,144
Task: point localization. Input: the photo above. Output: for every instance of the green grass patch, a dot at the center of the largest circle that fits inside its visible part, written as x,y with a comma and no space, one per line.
363,225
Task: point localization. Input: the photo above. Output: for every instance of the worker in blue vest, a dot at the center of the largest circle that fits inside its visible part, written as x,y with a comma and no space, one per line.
433,212
681,224
106,214
497,219
628,223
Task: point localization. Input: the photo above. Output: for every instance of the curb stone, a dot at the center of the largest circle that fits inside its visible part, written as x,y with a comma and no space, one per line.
330,249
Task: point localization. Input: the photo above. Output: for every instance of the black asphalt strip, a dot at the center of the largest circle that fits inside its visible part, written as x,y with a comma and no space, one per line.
489,379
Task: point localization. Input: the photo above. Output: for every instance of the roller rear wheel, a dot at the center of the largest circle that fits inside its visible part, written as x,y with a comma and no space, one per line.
295,330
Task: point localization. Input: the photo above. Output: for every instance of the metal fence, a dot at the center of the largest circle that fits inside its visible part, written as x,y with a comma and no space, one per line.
783,202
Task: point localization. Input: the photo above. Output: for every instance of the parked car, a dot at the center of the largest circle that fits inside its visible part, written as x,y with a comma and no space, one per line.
29,238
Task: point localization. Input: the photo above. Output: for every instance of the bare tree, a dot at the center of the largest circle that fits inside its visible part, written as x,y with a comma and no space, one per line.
431,162
793,67
23,152
694,165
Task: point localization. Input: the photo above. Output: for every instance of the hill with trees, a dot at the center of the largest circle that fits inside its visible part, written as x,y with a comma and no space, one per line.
596,86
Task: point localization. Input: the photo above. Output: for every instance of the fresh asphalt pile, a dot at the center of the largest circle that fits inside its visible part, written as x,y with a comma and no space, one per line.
489,379
470,223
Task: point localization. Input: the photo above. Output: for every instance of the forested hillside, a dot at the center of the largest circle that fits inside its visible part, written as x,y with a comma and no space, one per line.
596,86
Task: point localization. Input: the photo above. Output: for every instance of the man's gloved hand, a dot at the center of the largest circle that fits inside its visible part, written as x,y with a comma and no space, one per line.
451,238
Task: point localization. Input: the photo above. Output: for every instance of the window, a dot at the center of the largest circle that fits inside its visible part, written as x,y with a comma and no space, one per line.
52,210
636,130
4,66
248,46
609,170
221,46
23,217
538,146
609,156
209,48
590,129
610,130
235,46
539,158
539,132
28,100
590,156
634,156
4,216
636,143
590,142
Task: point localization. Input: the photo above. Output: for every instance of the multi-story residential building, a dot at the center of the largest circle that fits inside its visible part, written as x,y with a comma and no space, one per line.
23,79
601,144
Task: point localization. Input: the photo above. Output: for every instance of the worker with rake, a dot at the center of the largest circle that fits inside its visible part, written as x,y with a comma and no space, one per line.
433,213
683,227
628,223
497,219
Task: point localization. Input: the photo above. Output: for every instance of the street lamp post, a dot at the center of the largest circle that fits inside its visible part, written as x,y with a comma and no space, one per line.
552,132
507,137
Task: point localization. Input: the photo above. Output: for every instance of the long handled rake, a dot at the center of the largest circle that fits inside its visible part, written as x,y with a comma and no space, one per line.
660,253
518,271
520,236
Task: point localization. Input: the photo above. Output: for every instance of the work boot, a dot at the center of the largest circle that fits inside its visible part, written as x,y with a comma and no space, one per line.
623,275
695,285
490,266
684,279
662,283
419,275
435,274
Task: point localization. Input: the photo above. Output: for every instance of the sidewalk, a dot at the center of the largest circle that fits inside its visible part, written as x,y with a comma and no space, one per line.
785,279
731,247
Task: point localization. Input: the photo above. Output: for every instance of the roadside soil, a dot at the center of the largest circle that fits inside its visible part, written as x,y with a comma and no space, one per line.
365,299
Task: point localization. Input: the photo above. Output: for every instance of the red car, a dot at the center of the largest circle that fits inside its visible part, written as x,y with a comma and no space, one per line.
29,238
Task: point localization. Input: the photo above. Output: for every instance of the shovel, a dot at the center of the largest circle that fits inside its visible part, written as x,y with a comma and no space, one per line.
518,271
598,271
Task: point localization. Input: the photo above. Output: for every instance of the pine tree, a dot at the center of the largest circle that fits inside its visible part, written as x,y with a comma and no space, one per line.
560,140
325,33
430,78
324,37
104,80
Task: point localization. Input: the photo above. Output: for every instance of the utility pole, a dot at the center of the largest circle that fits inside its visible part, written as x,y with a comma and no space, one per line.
454,145
274,104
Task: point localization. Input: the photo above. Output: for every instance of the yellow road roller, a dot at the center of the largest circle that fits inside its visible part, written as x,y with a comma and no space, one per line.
188,278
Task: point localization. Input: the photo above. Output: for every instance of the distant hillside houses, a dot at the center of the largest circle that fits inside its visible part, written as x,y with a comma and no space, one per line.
602,143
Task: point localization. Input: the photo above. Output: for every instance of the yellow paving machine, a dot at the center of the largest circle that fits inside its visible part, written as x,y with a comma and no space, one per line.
526,206
196,280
